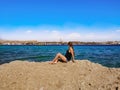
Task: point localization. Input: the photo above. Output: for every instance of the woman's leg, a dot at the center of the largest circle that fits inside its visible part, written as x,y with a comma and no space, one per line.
59,56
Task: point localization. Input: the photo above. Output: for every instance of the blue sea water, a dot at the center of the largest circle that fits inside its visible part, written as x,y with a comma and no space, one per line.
107,55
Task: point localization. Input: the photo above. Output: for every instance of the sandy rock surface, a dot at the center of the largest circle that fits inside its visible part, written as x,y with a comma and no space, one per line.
81,75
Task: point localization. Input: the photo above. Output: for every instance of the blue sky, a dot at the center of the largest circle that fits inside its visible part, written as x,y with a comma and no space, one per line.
53,20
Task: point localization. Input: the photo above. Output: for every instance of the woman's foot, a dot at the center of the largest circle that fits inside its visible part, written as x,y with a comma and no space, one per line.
52,62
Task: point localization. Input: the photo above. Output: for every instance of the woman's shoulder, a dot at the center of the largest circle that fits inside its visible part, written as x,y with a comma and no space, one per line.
70,48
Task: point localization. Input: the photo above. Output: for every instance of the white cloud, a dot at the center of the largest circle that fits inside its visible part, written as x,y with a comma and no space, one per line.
28,31
117,30
74,36
57,34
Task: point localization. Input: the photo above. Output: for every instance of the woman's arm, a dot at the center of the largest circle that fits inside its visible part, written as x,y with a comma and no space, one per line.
72,52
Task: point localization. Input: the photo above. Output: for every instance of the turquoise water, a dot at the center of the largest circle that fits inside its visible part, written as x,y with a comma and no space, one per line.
106,55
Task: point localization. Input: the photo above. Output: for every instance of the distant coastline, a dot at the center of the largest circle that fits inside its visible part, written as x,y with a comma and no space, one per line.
35,42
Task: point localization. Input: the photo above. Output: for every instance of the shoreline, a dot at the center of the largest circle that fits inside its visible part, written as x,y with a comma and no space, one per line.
66,45
35,42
